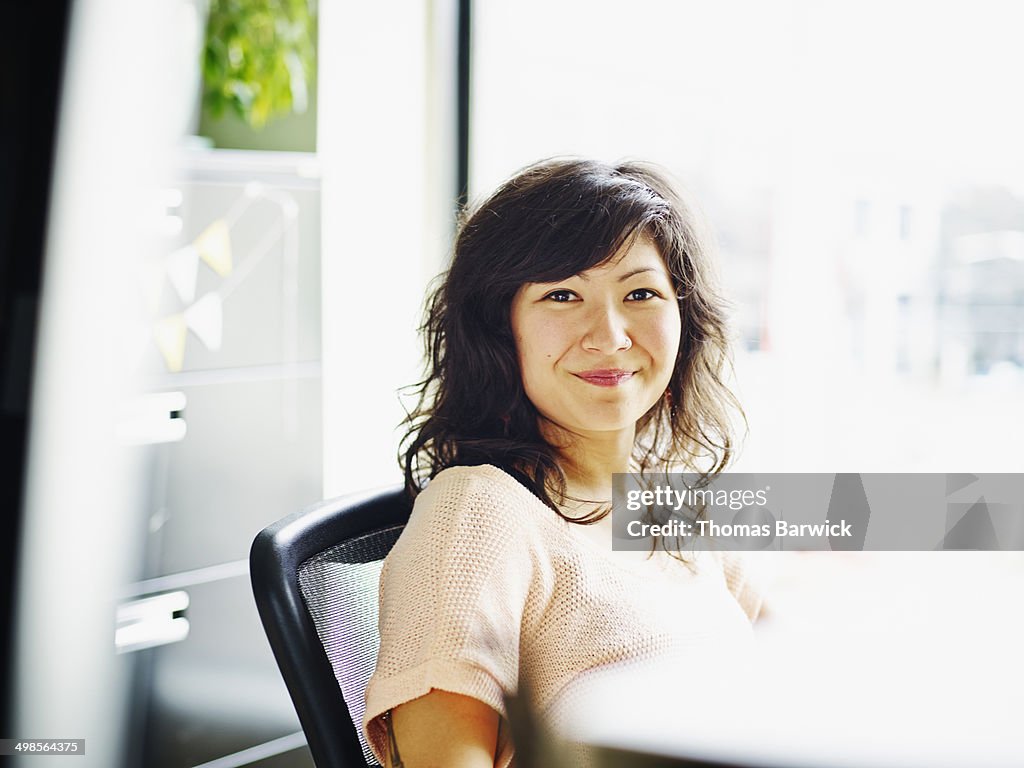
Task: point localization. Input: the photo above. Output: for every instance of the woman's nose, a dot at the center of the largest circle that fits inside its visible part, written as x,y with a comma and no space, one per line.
606,332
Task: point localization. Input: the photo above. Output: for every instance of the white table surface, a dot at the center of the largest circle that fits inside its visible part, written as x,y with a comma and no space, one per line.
873,659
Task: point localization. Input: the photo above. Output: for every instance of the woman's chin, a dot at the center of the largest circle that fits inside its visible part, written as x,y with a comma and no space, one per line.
625,424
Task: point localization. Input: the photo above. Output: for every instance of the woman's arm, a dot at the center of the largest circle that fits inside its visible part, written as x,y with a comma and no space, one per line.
442,730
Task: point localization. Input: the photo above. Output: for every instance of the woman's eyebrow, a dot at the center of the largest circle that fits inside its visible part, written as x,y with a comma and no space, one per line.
640,270
622,278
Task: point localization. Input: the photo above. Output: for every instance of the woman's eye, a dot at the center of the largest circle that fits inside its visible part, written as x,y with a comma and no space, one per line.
641,294
561,296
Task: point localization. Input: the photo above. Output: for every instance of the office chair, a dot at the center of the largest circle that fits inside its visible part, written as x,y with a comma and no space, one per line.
315,578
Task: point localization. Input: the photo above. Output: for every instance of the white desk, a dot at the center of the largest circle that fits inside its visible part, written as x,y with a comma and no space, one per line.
905,677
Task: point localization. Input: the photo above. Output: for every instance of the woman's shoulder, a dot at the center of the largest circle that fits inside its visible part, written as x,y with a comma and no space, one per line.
466,521
479,476
479,483
482,496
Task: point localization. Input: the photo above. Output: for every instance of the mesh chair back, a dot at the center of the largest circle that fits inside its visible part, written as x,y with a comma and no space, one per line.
315,579
340,588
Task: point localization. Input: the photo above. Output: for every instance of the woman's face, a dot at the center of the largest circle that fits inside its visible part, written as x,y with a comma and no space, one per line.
597,350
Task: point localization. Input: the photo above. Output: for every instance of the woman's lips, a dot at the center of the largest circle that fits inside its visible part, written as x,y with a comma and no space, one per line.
608,377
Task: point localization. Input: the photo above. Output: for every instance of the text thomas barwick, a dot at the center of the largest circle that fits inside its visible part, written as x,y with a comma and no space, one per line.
638,529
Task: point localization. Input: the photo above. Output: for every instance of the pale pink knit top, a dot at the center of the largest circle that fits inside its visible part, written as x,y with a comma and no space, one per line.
487,583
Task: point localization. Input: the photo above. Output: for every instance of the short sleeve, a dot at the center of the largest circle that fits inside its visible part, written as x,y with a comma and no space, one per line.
742,583
452,597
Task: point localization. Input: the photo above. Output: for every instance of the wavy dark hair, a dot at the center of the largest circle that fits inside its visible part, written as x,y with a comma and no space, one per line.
550,221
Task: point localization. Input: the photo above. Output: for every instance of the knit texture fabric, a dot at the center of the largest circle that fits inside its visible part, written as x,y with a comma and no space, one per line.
486,583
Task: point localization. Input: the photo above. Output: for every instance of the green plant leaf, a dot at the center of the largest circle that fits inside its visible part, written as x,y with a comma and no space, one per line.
259,58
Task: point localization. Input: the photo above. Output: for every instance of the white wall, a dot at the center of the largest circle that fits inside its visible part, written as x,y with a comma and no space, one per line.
382,164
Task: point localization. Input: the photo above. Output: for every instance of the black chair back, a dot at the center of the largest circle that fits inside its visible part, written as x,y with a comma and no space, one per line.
315,578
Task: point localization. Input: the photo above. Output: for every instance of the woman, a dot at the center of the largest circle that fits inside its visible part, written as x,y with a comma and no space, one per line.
576,334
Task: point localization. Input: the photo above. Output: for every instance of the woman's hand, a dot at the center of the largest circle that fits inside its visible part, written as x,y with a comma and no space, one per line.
442,730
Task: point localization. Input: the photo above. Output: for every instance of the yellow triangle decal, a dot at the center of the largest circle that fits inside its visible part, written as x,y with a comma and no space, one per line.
214,246
170,333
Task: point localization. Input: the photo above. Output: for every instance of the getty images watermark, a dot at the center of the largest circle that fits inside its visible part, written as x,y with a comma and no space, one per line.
842,512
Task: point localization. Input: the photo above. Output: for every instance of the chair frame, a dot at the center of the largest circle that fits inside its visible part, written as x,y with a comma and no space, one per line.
276,555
